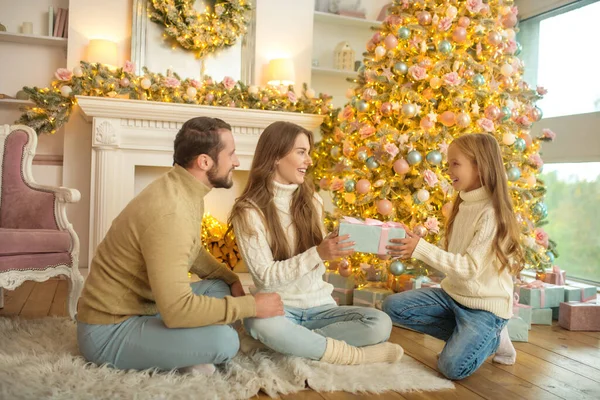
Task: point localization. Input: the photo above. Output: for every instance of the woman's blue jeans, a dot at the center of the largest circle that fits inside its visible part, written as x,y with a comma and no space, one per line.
471,336
143,342
303,332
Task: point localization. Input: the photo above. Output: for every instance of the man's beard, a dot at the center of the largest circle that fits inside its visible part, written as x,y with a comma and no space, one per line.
217,182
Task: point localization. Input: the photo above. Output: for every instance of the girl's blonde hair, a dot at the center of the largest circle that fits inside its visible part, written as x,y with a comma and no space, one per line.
276,141
483,151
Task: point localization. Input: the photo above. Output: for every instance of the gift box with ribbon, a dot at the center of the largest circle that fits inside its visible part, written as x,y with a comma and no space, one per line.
538,294
521,310
581,294
369,296
580,316
339,281
371,235
555,276
518,330
541,316
343,297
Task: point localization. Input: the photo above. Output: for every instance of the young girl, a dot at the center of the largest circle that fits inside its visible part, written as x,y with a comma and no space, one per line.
278,225
471,309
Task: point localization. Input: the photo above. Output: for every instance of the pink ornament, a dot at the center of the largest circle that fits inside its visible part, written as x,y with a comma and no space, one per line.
371,45
494,38
390,42
448,118
384,207
447,209
535,114
509,20
376,37
424,18
463,120
124,82
386,109
464,21
210,97
420,230
426,123
401,166
527,138
345,270
468,74
492,112
459,35
363,186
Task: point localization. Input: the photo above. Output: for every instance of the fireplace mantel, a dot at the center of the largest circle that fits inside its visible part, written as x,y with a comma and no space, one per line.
130,133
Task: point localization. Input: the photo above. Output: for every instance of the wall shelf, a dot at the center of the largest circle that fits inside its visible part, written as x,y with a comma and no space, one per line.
335,19
335,72
33,39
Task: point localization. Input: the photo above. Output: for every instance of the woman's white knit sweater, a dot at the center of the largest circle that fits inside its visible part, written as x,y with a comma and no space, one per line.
299,279
472,269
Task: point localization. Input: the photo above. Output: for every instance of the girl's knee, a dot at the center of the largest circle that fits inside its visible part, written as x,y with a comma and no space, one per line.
381,326
453,368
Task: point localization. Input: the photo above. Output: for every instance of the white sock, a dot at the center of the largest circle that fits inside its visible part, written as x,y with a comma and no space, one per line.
506,353
200,369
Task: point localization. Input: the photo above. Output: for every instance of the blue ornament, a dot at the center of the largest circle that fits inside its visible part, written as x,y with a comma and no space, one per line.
397,268
478,80
361,69
519,49
403,32
519,145
349,185
416,198
444,46
400,68
372,163
362,106
550,256
506,113
414,157
544,210
362,155
434,157
513,174
537,210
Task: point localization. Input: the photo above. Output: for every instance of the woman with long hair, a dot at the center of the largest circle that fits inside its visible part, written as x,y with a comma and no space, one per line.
278,225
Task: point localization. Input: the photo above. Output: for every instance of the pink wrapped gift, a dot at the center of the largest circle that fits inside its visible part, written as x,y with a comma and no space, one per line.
579,316
555,276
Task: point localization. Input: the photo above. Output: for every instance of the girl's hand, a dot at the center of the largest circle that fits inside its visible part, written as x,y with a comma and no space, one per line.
404,247
334,247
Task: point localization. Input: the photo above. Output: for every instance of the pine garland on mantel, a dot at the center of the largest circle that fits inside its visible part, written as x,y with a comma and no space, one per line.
201,33
53,106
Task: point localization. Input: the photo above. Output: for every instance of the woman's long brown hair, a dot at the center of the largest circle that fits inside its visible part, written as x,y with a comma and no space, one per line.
276,141
482,150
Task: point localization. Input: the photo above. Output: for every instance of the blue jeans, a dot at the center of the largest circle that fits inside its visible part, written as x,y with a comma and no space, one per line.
471,336
142,342
303,332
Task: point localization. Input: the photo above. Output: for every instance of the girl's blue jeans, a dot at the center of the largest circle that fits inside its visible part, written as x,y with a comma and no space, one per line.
303,332
471,336
142,342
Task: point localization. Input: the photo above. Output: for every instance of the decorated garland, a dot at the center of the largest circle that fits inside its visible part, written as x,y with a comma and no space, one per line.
202,33
219,241
53,106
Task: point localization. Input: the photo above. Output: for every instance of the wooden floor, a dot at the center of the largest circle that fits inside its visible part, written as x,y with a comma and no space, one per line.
555,364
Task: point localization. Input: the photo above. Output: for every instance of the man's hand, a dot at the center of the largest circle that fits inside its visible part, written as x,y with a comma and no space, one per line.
268,305
406,246
236,289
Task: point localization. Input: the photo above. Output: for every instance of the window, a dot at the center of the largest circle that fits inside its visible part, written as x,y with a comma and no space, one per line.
561,55
573,199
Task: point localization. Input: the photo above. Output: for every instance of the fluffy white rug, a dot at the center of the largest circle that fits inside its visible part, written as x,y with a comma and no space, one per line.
39,360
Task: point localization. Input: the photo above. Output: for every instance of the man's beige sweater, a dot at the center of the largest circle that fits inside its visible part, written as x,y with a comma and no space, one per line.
141,267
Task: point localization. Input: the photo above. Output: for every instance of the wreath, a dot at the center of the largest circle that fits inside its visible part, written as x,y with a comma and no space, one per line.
203,33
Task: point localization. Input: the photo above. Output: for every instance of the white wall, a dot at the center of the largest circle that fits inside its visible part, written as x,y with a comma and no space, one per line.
531,8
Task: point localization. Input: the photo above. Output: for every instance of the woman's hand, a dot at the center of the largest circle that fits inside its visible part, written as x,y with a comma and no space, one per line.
334,247
403,247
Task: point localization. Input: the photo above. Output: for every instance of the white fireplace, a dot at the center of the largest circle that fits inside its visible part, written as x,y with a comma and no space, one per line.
134,135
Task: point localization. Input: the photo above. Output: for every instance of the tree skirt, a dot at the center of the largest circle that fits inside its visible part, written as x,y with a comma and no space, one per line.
39,359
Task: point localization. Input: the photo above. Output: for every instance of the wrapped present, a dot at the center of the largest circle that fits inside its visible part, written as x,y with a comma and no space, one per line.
521,310
555,312
369,296
555,276
580,294
407,282
541,316
580,316
370,235
518,330
538,294
339,281
343,297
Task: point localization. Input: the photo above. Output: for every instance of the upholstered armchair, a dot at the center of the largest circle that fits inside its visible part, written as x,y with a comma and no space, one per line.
37,241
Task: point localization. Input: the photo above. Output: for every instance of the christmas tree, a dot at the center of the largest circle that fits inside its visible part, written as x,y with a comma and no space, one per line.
434,71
